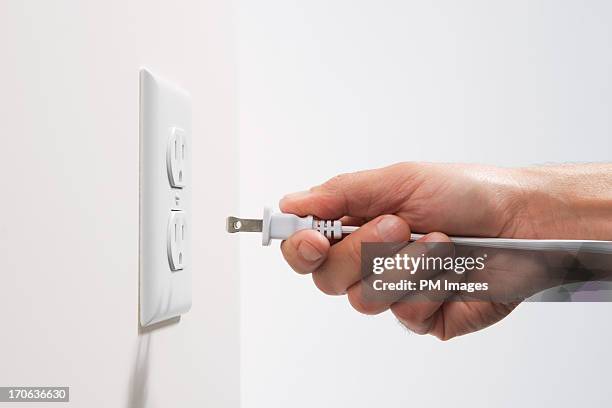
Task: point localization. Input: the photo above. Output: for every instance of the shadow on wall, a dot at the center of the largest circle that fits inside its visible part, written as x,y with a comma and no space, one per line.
140,370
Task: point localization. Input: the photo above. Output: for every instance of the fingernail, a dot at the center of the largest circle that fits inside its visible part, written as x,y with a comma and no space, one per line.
309,252
389,229
295,196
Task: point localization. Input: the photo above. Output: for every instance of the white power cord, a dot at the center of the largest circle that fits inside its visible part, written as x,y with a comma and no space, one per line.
282,226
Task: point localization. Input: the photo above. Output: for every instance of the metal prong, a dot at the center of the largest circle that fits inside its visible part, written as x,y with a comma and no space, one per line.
235,224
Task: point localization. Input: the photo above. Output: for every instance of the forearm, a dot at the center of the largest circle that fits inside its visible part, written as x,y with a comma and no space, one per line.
570,201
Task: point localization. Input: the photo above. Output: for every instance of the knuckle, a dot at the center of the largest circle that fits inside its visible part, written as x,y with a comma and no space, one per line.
337,182
300,270
405,165
357,301
410,327
410,313
326,285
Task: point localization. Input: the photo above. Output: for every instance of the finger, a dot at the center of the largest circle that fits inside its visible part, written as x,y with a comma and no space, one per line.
456,318
421,312
305,250
361,194
353,221
343,265
367,297
419,318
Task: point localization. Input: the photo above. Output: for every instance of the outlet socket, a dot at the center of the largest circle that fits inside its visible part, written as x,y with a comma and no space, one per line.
175,157
177,240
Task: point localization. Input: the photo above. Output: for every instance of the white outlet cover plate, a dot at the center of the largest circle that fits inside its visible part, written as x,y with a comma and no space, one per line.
164,109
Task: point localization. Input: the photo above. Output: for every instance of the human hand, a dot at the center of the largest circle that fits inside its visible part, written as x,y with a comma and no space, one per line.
463,200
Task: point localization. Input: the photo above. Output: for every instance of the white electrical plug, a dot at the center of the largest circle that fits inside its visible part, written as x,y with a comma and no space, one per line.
282,226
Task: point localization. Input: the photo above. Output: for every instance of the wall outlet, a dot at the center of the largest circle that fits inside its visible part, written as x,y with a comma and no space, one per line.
177,240
165,199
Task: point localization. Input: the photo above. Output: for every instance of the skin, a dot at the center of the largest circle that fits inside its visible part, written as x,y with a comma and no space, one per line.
554,202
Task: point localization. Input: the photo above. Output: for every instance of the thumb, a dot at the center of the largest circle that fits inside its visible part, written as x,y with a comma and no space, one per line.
365,194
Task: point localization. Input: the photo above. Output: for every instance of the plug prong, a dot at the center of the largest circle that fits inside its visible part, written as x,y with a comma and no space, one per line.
235,224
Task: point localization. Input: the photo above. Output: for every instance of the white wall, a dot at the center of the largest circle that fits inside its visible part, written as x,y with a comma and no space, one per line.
335,86
69,179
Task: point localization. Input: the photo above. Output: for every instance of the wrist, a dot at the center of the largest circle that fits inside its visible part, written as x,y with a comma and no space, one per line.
566,202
